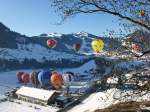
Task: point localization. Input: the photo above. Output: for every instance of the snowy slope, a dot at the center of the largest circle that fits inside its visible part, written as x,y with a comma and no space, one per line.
104,99
37,52
83,72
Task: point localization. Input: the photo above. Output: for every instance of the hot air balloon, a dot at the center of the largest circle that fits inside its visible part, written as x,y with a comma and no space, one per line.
142,12
34,78
25,78
19,75
136,47
97,45
51,43
68,77
44,78
56,80
76,46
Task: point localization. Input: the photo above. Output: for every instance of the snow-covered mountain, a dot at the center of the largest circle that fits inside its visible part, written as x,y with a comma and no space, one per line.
19,51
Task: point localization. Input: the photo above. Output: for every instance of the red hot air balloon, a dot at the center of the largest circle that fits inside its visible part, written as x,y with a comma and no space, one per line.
136,48
25,78
51,43
76,47
142,12
19,75
56,80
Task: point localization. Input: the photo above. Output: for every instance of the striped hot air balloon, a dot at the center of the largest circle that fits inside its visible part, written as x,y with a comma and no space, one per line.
34,78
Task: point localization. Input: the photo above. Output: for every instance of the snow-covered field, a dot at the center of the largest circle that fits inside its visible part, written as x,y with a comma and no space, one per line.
8,81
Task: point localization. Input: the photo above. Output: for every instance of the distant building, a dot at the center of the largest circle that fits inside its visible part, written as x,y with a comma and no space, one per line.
37,96
80,87
62,101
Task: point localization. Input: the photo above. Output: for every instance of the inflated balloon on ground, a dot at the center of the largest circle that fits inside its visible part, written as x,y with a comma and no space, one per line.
68,77
25,78
44,78
19,75
34,78
56,80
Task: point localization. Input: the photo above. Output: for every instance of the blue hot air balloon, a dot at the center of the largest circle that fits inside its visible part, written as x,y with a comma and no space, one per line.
44,78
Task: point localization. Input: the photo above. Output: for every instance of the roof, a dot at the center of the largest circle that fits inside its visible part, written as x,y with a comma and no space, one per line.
80,87
81,83
40,94
62,98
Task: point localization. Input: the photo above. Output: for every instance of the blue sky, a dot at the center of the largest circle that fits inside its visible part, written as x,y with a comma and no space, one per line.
33,17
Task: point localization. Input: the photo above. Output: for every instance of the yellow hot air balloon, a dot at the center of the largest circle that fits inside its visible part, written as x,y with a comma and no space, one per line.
97,45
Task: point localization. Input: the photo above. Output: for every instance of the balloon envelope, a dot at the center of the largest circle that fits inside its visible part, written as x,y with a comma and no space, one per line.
76,47
19,75
51,43
68,77
44,77
97,45
25,78
34,78
142,12
56,80
136,47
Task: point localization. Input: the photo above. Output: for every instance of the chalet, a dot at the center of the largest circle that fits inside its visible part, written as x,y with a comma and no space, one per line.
37,96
